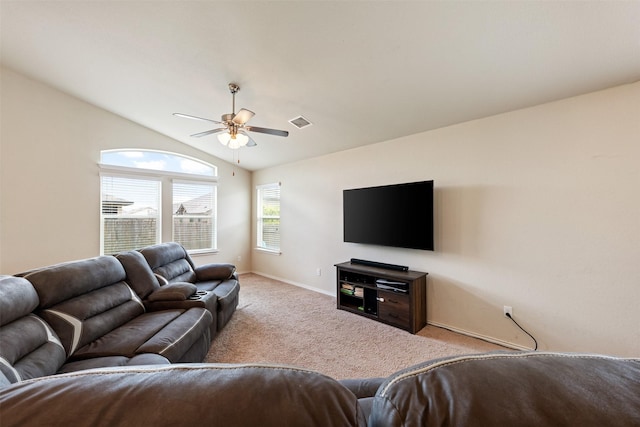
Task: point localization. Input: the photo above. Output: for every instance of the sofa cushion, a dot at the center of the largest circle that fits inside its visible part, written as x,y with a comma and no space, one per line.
176,271
163,253
512,388
177,337
169,333
28,346
178,291
207,300
29,349
209,285
62,282
183,395
17,298
114,361
87,318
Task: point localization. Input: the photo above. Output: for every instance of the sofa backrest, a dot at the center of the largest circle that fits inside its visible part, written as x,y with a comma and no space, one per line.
29,348
139,275
85,299
170,262
183,395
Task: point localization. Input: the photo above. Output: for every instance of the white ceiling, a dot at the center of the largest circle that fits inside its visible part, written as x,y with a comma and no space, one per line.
362,72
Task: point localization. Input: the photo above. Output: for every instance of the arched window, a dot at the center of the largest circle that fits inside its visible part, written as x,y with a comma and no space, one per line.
134,212
157,161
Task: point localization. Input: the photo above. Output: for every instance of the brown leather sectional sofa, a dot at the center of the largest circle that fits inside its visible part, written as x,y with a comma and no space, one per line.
111,311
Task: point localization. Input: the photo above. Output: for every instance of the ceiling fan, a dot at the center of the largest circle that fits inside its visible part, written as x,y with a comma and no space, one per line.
233,134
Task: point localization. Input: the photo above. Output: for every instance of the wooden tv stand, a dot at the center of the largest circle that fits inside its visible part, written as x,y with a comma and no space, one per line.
359,292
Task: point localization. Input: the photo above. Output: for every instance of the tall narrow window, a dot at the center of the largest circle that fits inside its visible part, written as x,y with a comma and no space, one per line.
268,198
194,213
130,213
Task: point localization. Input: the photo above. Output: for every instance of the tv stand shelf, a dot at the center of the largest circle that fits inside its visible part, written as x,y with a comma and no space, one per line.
397,298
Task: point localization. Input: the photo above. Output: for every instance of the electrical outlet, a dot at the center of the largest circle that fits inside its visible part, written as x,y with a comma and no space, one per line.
239,258
508,310
318,272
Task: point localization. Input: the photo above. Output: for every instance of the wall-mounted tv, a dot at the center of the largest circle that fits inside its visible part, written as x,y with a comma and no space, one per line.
399,215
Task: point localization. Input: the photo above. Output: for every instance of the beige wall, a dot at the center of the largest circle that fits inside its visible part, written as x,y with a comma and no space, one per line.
49,183
538,209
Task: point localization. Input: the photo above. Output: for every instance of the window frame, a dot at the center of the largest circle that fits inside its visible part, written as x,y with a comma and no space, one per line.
213,216
166,179
260,218
158,231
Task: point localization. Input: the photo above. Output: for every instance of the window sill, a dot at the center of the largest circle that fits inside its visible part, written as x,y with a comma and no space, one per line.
268,251
202,252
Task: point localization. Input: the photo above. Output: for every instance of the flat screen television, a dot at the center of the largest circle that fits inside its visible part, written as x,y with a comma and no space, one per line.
399,215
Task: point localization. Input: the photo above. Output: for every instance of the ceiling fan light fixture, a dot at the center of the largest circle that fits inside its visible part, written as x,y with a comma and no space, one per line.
240,140
233,141
224,138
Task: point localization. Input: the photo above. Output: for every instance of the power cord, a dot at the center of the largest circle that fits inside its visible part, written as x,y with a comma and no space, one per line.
523,330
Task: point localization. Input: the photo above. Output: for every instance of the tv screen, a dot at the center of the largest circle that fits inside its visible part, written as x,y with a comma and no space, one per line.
399,215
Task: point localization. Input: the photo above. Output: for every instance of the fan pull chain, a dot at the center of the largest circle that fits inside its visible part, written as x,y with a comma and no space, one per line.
234,160
233,173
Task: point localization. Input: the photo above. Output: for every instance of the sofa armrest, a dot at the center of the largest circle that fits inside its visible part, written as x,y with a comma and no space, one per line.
215,272
178,291
512,388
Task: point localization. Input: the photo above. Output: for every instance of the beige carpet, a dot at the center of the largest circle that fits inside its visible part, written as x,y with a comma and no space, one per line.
284,324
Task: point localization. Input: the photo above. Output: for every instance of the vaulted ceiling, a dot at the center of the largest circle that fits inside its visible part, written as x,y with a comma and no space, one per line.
362,72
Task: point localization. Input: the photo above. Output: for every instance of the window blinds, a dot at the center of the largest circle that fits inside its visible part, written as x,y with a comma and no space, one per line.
194,215
130,213
268,217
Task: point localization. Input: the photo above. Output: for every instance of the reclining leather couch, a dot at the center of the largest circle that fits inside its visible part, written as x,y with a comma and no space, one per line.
84,314
157,294
172,265
113,311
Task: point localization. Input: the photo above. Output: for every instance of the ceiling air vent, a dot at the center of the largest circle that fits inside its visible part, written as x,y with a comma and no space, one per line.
300,122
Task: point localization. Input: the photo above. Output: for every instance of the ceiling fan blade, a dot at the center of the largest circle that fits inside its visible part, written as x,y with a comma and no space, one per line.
207,132
188,116
267,131
242,116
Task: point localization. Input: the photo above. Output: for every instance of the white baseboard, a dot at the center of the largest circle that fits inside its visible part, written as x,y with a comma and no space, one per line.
300,285
480,336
